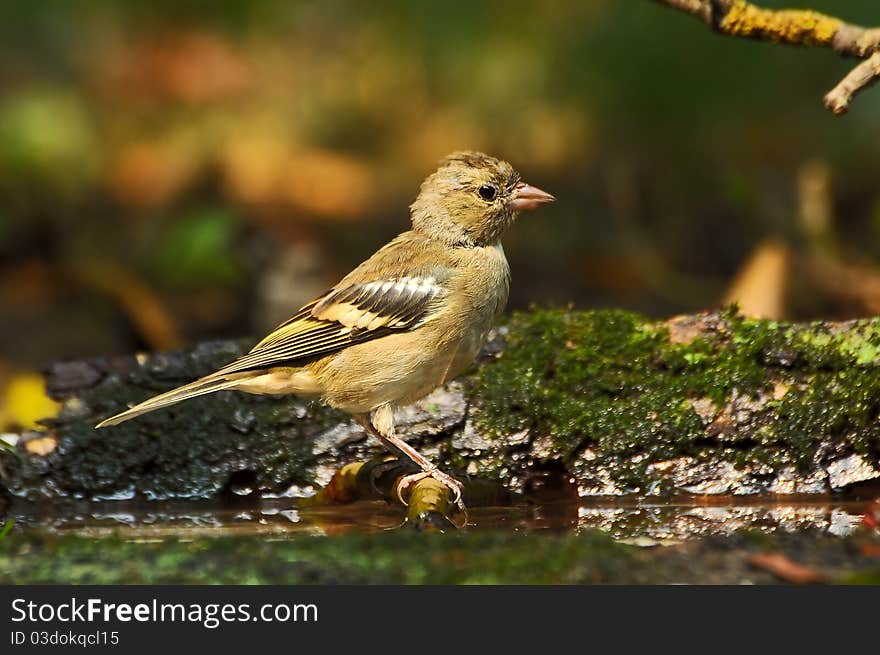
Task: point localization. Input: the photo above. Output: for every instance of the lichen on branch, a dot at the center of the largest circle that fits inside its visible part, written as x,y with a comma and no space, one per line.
801,27
792,26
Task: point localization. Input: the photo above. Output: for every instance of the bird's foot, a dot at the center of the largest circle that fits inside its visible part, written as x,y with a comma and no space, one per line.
451,483
387,470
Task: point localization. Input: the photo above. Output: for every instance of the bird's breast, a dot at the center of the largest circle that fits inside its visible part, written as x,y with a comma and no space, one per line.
404,366
487,284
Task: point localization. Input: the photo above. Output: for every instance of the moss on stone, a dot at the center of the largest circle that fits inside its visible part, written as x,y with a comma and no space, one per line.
621,385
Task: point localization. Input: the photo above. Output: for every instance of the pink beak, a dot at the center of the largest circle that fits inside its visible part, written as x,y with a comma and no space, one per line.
526,196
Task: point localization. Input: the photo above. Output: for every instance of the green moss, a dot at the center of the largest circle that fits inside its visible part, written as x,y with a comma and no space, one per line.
410,557
404,557
867,577
616,383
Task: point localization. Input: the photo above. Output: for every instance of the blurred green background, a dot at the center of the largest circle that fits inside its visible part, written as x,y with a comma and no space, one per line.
179,171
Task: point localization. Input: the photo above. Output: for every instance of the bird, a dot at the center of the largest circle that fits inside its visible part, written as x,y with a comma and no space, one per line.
408,319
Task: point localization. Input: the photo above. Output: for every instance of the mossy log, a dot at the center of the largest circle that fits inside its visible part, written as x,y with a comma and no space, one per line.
560,404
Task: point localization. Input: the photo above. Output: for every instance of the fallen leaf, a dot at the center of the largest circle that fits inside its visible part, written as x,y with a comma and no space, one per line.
24,402
872,515
760,285
42,445
785,569
871,550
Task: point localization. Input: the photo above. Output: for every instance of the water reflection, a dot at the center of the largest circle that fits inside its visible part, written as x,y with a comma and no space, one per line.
635,521
662,524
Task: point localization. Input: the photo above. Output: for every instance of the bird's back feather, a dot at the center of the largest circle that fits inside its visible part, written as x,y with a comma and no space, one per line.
376,300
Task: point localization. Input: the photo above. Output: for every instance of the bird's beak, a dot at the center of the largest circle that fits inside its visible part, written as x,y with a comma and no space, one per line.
526,196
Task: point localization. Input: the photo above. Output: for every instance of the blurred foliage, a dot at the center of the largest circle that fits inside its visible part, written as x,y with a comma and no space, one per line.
198,247
23,402
195,147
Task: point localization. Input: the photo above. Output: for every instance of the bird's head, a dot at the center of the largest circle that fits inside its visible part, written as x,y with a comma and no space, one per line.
471,200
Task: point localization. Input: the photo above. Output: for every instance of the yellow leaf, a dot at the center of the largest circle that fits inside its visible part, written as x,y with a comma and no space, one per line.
25,402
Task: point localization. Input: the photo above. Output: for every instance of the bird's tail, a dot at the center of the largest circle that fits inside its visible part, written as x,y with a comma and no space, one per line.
208,384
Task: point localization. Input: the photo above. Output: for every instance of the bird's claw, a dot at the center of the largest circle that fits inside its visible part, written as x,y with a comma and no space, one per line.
451,483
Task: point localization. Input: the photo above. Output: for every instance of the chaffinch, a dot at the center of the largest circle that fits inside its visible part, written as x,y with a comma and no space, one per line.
411,317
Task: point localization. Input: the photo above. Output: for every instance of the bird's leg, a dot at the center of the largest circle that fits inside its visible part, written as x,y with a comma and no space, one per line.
381,425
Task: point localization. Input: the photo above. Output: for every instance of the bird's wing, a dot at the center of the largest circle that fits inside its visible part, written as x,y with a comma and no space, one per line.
346,315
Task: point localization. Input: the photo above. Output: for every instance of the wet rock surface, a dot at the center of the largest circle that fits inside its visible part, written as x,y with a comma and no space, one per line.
601,403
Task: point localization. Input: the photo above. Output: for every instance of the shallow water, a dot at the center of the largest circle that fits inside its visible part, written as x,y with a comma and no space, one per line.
639,521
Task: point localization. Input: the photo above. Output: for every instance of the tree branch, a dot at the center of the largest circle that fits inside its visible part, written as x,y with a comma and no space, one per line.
858,79
795,27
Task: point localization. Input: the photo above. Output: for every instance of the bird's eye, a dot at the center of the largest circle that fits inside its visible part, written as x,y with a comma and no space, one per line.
487,192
